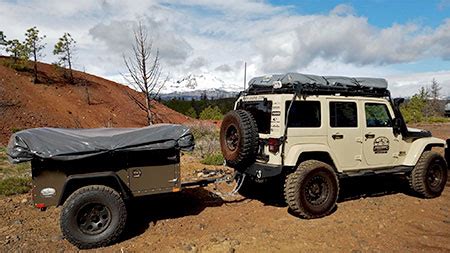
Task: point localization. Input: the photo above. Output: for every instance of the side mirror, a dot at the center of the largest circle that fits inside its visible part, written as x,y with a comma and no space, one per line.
398,101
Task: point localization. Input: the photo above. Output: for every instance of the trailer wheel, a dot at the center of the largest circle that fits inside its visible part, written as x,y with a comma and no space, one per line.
93,216
429,176
311,191
239,138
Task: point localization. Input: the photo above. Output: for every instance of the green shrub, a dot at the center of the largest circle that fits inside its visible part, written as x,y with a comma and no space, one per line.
16,129
206,139
435,119
212,113
213,159
191,113
14,185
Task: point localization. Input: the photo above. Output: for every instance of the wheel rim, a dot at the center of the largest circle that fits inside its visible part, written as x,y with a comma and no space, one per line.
93,218
232,138
316,190
435,176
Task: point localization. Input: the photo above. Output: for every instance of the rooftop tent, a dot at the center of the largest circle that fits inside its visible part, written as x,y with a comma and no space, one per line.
292,82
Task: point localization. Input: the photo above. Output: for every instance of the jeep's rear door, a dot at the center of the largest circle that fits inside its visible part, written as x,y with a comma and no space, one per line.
344,133
381,146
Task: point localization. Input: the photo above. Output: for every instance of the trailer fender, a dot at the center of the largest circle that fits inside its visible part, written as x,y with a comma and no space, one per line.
108,178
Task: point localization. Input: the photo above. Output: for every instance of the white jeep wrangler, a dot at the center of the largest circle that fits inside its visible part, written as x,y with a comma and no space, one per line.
314,130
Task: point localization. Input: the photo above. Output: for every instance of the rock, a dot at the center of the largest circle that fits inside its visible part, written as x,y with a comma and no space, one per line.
234,242
17,222
200,226
56,238
190,247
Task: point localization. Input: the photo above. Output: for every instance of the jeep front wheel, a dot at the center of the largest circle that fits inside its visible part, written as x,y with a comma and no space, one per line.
93,216
429,176
311,191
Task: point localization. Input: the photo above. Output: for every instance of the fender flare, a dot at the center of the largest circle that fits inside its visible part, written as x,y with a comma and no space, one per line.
419,146
296,151
92,177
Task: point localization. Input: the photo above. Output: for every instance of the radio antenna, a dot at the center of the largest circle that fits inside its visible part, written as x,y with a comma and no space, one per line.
245,74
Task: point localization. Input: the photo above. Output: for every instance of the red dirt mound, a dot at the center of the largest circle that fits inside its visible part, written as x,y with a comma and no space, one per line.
56,103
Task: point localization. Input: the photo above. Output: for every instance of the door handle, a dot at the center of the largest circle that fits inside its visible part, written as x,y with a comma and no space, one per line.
337,136
370,136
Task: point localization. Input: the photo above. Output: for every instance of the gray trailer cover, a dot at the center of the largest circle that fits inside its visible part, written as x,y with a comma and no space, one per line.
73,144
299,80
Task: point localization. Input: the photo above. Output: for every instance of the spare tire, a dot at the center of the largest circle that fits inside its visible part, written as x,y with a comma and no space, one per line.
239,139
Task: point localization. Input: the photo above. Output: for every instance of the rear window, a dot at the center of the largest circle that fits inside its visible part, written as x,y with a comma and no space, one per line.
304,114
261,111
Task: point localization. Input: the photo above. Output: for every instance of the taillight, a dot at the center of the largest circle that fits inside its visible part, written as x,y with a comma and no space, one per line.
40,205
274,145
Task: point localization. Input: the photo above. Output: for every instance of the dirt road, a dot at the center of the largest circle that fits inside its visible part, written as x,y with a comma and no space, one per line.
373,214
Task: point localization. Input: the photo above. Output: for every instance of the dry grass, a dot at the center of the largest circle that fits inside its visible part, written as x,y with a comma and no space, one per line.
14,179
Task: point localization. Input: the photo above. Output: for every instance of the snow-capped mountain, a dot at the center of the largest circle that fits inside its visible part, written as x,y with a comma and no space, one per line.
198,94
204,81
194,86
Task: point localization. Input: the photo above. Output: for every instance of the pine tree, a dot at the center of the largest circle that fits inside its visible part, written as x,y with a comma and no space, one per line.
19,52
65,49
34,43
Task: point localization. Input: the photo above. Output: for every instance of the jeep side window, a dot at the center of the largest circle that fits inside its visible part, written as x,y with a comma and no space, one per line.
377,115
304,114
343,114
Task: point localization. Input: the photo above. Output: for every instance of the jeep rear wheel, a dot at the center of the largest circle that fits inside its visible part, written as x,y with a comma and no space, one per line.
93,216
239,139
429,176
311,191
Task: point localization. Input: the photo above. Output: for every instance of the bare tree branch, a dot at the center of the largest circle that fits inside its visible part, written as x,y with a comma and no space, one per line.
144,71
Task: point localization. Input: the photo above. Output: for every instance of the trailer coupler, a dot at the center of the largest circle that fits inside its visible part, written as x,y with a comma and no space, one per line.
227,178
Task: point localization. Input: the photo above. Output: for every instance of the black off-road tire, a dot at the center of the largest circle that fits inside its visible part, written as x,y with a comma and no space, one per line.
429,176
239,139
99,201
312,178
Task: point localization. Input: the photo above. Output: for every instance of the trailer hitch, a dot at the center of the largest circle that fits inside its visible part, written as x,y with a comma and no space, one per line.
211,178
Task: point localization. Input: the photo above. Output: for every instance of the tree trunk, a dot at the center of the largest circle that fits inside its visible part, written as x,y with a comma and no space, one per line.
70,65
35,66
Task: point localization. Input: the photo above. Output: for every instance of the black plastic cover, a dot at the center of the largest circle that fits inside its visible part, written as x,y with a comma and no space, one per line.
302,83
61,144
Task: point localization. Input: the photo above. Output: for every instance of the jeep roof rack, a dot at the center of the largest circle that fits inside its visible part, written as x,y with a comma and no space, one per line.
313,84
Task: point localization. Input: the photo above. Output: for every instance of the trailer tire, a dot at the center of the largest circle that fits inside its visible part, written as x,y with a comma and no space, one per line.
429,176
311,191
93,216
239,139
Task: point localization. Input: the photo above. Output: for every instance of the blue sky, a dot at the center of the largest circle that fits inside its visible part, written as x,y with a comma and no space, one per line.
382,13
385,13
407,42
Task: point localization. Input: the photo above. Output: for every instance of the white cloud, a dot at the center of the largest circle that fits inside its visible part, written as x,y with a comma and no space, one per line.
408,84
216,37
342,10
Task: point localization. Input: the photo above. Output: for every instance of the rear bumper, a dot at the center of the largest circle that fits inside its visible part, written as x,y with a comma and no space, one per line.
263,170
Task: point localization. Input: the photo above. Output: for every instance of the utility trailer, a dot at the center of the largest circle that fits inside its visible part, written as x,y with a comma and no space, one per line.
92,173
